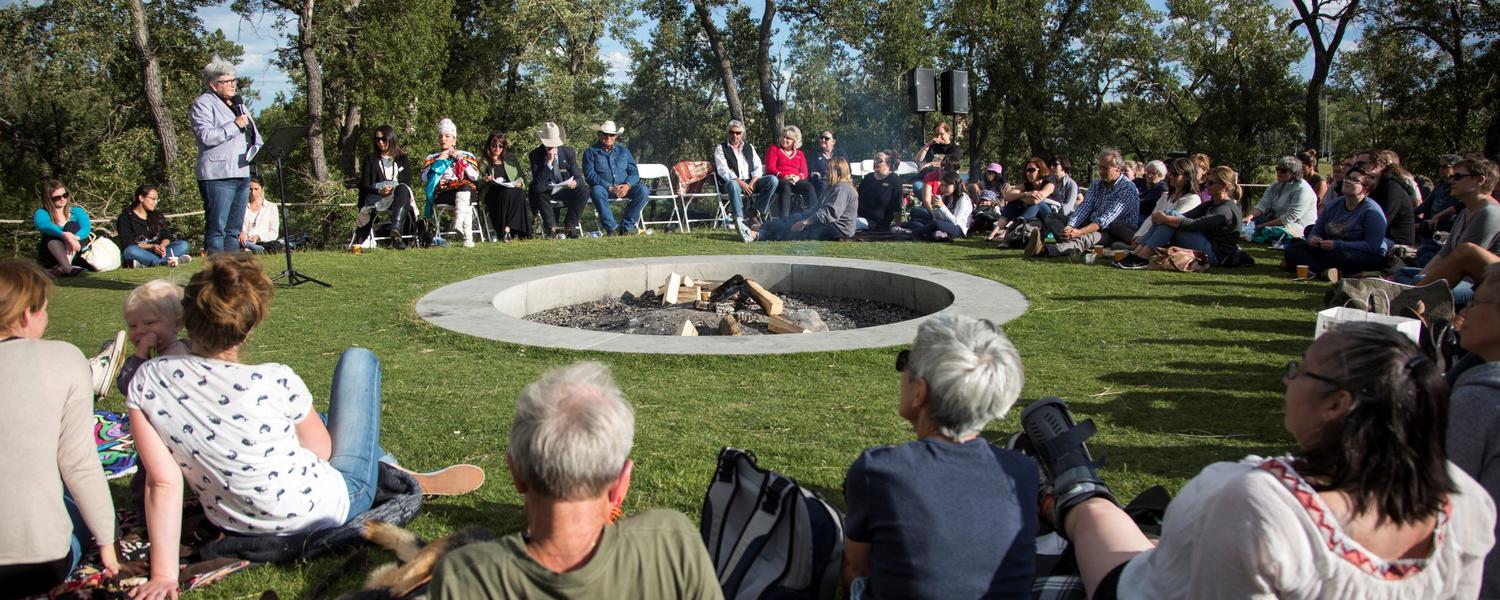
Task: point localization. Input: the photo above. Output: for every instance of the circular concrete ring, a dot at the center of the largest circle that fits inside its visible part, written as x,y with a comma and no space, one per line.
492,306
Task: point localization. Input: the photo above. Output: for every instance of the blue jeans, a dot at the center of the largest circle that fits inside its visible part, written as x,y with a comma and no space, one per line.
223,212
1463,293
637,196
354,424
1020,210
148,258
1161,236
763,186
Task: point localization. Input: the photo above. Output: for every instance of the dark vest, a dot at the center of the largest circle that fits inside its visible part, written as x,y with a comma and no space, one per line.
734,163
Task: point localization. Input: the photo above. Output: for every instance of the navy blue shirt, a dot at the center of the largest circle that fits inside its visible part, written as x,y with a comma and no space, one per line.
944,520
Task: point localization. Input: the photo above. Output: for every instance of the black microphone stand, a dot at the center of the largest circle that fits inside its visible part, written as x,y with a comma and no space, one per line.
276,147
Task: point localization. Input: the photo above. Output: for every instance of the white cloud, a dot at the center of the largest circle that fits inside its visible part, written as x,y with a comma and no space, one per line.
260,38
619,65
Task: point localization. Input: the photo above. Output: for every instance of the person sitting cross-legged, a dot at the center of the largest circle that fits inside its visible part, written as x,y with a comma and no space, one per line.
1211,228
1108,215
569,459
1367,506
832,220
612,174
948,515
1288,207
1349,235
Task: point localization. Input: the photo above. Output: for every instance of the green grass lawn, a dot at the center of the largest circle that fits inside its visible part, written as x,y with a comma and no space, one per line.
1179,370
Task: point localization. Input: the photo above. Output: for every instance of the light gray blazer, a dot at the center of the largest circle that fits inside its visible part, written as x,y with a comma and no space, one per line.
222,152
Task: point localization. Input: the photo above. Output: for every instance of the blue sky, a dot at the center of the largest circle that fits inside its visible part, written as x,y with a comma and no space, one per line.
260,39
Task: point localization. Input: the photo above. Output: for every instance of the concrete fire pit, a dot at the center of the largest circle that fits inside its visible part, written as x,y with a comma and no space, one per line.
492,306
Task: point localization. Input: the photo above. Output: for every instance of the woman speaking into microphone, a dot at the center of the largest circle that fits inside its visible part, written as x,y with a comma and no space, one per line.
227,140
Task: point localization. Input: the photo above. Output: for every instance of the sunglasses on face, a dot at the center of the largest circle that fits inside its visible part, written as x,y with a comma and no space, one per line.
826,138
62,196
1460,176
902,358
736,133
1032,169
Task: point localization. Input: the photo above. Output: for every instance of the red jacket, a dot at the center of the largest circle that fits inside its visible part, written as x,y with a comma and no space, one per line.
779,165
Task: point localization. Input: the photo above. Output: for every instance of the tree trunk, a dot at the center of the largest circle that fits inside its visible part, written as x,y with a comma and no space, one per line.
314,72
1323,54
726,70
160,116
774,108
348,146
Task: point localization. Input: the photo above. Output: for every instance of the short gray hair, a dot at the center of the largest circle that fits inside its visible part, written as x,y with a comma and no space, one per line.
973,372
572,432
1158,167
1289,163
733,123
217,67
793,132
1109,157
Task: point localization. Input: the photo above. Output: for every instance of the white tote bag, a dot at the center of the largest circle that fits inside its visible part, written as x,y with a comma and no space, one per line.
102,254
1329,317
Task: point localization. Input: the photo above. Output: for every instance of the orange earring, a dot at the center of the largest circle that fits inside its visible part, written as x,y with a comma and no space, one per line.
615,513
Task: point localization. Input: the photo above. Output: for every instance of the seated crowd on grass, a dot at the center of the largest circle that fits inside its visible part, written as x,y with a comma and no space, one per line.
1389,493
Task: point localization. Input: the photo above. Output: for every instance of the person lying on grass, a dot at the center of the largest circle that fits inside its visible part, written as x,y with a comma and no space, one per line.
1367,507
948,515
259,459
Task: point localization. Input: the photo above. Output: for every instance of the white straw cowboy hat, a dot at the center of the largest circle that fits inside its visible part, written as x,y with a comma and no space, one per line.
551,135
609,128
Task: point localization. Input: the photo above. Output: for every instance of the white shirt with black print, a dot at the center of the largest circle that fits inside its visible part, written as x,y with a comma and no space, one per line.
232,429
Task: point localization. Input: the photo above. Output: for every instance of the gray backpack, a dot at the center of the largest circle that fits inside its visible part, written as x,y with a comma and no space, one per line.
768,536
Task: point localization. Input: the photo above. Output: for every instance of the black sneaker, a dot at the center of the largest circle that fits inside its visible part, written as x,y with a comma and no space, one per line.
1132,262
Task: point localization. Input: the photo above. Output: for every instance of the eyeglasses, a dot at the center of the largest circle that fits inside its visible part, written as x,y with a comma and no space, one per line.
902,358
63,196
1354,180
826,138
1459,176
1032,169
1294,370
224,81
736,133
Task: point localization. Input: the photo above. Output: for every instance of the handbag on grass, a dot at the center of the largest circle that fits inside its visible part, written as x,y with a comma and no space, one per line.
102,254
1181,260
768,536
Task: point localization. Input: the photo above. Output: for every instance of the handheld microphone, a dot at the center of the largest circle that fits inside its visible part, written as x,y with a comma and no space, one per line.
239,105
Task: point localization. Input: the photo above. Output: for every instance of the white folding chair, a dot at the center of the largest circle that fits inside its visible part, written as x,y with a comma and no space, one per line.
905,168
656,176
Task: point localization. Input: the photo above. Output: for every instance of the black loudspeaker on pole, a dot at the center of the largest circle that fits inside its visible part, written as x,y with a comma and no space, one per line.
955,92
921,89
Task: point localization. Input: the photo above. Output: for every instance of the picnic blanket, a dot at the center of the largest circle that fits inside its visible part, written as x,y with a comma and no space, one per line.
209,554
116,446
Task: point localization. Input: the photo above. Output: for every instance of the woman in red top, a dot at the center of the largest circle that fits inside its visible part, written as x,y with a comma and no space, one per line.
786,162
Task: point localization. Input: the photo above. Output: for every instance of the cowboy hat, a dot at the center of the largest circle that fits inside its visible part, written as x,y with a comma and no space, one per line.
551,135
609,128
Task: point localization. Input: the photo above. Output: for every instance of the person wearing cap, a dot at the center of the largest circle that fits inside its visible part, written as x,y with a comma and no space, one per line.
555,176
612,174
817,162
988,195
741,171
1287,208
450,175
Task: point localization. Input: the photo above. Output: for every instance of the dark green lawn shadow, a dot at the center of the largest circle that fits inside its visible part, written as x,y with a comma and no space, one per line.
95,282
1181,462
1300,329
1198,300
1287,286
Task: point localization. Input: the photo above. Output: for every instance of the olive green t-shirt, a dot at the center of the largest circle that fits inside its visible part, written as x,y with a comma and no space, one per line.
656,554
